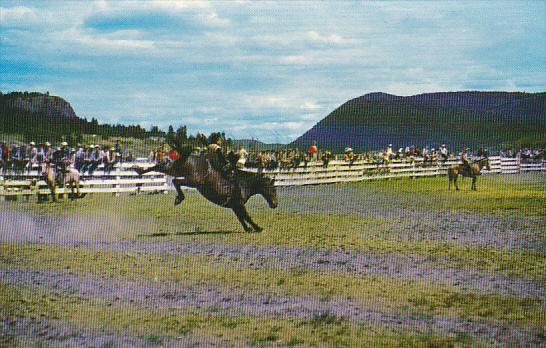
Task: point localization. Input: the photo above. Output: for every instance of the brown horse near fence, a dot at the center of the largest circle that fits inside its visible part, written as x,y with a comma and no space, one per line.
198,172
473,172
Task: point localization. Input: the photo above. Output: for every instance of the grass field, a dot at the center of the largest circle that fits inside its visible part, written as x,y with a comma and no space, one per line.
392,263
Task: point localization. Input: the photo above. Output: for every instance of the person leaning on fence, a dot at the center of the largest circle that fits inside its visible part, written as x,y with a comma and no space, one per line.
326,157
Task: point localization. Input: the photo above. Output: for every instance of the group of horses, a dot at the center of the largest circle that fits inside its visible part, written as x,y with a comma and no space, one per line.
53,178
226,191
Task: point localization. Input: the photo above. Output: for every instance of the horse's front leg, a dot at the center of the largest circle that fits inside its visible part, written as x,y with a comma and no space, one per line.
474,183
455,182
249,220
53,194
177,182
241,217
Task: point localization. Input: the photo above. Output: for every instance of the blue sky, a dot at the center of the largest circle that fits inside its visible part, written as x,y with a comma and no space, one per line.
268,70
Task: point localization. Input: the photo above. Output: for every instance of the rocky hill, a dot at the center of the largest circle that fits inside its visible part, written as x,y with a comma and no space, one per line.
455,118
37,103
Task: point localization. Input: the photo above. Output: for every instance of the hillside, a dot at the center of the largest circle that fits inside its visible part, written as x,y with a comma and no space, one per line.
37,103
455,118
42,117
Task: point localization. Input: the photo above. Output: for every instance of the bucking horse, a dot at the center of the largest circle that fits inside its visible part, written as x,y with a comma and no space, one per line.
473,172
228,192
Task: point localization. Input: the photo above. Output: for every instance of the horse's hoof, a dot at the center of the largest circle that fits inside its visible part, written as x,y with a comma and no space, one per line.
177,201
258,229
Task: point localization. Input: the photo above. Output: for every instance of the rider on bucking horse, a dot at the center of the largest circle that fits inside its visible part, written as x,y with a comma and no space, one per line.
465,160
217,159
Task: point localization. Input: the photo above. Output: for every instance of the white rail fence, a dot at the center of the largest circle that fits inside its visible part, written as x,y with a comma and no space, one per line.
122,179
342,171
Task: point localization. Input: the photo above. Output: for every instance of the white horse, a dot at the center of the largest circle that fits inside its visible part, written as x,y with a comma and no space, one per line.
72,177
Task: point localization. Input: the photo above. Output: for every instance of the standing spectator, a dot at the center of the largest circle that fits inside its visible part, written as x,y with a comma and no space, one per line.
80,157
313,150
242,154
444,153
33,156
388,152
118,150
94,159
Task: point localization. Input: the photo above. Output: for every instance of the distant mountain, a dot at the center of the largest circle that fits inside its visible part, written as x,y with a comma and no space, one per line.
374,120
255,145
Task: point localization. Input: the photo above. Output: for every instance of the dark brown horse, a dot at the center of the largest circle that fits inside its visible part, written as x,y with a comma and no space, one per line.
198,172
475,170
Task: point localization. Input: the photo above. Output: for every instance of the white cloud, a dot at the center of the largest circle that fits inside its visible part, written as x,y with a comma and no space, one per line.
329,39
289,60
119,40
310,106
18,17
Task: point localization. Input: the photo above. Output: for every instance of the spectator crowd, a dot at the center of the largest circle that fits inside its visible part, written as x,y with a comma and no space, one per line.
21,157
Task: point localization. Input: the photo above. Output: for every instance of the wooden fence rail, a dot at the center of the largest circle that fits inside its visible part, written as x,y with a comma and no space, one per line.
343,171
122,179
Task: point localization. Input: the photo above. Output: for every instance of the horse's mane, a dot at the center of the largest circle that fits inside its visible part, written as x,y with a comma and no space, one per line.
251,176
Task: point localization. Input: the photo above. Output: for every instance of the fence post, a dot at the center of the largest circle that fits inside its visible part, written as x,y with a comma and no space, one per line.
2,197
117,185
166,184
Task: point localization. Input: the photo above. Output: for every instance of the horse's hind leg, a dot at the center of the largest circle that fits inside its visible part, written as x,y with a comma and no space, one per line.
241,216
474,183
53,196
455,183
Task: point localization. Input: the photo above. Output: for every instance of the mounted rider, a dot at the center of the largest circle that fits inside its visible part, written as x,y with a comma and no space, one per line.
216,156
466,160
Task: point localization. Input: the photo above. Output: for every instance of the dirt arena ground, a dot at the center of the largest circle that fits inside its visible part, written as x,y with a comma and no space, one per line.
401,262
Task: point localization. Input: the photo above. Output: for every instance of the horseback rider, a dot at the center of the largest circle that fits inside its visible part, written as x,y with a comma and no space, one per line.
59,161
216,156
465,160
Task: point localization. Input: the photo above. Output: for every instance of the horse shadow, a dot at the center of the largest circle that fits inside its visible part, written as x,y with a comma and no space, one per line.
190,233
